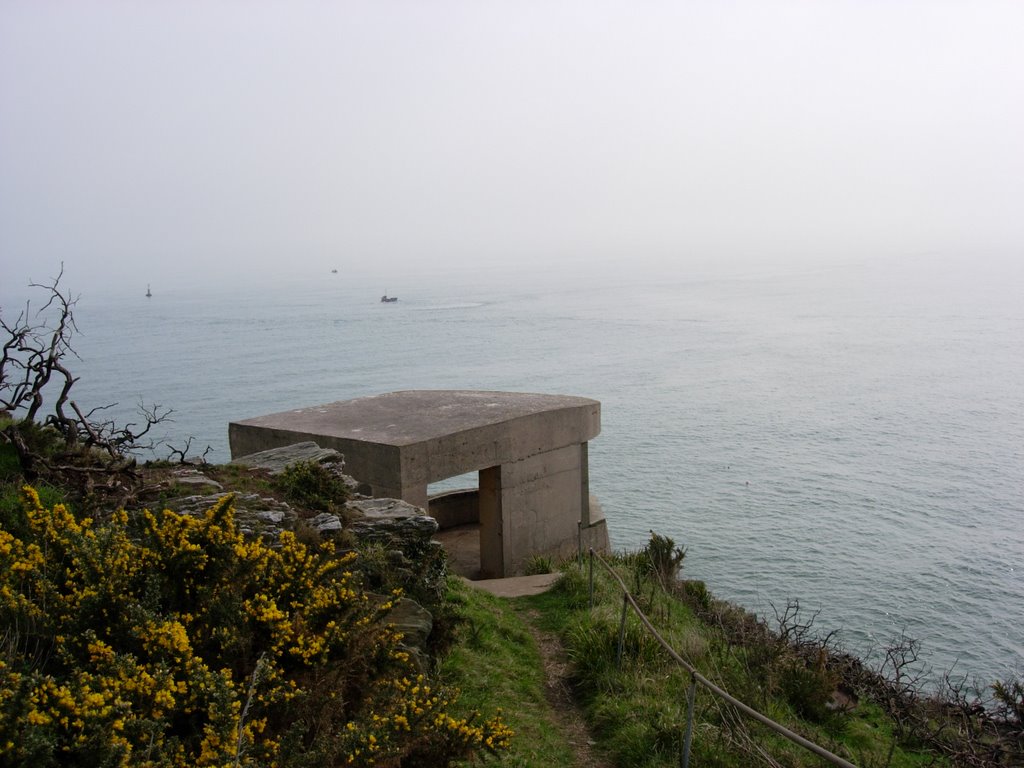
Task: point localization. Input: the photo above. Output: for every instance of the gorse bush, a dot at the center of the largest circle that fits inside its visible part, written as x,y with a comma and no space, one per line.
313,485
168,640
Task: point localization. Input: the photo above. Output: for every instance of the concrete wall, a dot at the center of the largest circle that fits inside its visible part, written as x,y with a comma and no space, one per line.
454,508
541,506
495,444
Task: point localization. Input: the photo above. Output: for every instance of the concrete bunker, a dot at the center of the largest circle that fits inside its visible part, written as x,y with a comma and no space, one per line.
530,450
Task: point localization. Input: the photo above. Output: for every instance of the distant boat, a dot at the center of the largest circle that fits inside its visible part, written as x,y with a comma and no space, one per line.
334,271
149,293
385,299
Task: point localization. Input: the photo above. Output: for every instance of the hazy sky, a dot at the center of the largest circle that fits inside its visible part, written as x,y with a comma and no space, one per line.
143,139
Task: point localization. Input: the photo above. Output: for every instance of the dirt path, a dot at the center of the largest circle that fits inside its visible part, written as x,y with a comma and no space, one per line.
567,713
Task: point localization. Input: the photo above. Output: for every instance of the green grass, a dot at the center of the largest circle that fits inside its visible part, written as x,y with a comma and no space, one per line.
496,663
638,713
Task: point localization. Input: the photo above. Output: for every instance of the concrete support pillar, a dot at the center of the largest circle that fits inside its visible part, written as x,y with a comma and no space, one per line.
541,506
492,550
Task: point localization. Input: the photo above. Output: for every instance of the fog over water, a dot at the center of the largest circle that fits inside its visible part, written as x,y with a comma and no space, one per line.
781,242
144,142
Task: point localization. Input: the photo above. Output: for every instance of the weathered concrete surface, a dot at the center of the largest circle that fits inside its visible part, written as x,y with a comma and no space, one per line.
530,450
462,545
595,535
455,508
458,518
518,586
413,438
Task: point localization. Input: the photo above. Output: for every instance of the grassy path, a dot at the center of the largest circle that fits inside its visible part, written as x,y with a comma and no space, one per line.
505,659
566,712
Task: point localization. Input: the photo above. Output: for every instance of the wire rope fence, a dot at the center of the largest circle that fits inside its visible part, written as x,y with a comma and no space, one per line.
696,678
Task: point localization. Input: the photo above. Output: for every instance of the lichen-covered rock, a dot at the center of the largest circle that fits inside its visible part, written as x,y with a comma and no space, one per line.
272,516
276,460
255,515
387,521
192,476
415,623
383,508
325,523
415,562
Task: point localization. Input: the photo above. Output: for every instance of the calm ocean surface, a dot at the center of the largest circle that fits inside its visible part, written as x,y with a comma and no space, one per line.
850,436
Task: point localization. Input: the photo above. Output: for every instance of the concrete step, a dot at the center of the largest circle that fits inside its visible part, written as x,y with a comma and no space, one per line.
517,586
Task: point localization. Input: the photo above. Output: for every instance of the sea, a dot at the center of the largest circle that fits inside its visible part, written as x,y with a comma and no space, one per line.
849,435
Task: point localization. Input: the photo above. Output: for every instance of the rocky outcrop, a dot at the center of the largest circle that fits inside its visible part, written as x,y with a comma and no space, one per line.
415,623
412,561
325,524
193,477
385,520
255,515
276,460
392,523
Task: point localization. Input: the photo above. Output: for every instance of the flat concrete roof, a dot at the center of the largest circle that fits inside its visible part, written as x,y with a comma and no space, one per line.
531,451
416,416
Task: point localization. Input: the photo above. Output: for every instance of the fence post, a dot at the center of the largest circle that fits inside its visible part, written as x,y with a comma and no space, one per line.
695,677
579,542
591,578
622,631
689,722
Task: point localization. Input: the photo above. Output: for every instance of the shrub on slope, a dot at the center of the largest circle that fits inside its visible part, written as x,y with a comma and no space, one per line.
167,640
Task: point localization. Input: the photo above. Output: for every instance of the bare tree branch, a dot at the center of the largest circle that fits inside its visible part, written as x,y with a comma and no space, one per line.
36,387
182,453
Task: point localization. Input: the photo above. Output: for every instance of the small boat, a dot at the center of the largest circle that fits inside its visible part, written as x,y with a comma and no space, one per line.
149,293
334,271
385,299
